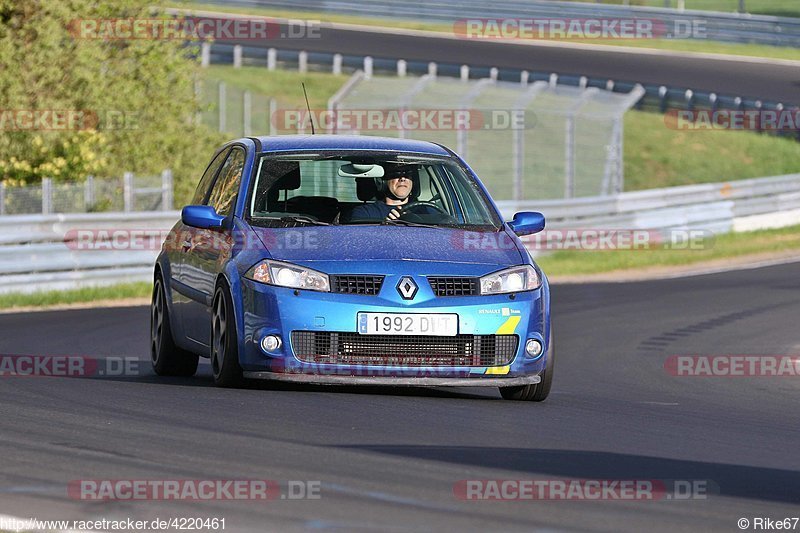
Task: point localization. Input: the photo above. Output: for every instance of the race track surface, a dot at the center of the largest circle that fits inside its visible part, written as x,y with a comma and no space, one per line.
388,459
769,81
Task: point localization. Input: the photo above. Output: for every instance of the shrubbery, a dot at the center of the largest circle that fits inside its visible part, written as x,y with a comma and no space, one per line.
149,82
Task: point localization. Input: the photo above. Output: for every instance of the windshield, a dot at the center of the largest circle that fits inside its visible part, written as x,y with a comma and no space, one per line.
367,188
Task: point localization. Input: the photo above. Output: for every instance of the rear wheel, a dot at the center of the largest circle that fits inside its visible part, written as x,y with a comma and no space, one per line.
224,342
536,392
167,358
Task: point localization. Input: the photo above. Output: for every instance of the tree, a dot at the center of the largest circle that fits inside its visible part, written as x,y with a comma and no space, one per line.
133,98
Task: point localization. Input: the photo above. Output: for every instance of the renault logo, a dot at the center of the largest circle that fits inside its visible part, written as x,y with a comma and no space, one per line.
407,288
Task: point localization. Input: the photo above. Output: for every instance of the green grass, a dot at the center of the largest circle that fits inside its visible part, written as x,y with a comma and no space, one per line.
88,294
781,8
657,156
685,45
730,245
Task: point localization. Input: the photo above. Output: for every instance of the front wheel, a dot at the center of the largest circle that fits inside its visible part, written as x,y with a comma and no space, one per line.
167,358
224,342
536,392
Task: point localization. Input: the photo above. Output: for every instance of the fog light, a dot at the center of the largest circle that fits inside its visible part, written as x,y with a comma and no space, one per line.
533,348
270,343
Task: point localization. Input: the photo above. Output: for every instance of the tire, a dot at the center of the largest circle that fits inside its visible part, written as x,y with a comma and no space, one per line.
167,358
224,341
536,392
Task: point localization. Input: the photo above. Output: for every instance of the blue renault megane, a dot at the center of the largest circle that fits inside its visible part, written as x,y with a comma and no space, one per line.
333,259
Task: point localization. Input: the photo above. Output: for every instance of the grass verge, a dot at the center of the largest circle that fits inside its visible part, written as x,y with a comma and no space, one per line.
87,294
678,45
722,247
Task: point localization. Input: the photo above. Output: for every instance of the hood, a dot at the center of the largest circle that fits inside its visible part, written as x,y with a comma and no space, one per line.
386,243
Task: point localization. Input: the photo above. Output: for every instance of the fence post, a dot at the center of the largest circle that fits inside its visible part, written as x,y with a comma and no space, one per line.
569,158
47,196
2,198
367,67
464,73
402,68
518,151
166,190
273,109
222,110
272,59
127,192
237,56
205,54
337,64
246,111
88,193
524,77
432,69
302,62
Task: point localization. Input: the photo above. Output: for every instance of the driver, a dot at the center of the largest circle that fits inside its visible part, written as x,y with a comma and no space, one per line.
396,190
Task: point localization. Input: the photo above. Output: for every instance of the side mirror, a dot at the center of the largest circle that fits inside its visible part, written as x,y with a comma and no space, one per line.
527,222
201,216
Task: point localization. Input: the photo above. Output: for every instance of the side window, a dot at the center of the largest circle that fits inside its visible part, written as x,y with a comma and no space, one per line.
223,195
208,178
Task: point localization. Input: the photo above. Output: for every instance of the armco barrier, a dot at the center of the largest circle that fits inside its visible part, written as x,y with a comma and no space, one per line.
34,255
728,27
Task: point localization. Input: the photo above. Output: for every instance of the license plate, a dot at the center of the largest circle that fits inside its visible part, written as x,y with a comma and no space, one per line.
439,324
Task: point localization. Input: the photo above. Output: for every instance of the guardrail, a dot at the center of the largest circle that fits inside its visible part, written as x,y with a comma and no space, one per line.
726,27
38,252
658,98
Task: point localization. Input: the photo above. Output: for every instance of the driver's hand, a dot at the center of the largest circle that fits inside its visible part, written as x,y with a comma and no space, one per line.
394,214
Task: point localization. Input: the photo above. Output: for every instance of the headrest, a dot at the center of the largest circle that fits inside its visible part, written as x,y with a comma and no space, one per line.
366,189
290,180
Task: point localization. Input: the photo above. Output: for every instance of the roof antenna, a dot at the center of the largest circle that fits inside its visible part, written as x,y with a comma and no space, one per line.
310,115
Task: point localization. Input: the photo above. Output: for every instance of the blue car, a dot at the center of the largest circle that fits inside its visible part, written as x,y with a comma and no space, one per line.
332,259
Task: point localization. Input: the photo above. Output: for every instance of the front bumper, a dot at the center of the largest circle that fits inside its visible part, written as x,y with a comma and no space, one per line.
270,310
319,379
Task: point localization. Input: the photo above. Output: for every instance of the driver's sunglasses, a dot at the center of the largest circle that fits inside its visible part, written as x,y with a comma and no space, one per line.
400,178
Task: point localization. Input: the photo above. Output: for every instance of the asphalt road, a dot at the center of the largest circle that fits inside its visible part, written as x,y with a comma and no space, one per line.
768,81
388,459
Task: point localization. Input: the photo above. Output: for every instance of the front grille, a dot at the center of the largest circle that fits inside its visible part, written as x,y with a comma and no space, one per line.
403,350
370,285
450,286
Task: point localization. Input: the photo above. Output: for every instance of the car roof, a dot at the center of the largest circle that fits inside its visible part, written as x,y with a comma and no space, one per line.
286,143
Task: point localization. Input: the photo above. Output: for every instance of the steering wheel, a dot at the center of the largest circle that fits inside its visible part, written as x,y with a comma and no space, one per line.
413,207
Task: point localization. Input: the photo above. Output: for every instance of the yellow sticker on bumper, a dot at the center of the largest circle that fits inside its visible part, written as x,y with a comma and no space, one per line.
498,369
509,325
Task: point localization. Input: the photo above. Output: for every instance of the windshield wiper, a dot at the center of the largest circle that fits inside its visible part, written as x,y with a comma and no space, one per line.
401,222
307,220
296,218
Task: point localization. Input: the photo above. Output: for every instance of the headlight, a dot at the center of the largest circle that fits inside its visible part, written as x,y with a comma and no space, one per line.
288,275
515,279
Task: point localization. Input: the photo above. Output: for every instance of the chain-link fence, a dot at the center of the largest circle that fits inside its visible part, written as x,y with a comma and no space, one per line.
539,140
128,193
232,110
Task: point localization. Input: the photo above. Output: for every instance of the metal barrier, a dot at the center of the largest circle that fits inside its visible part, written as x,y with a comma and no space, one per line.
39,252
659,98
726,27
129,193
